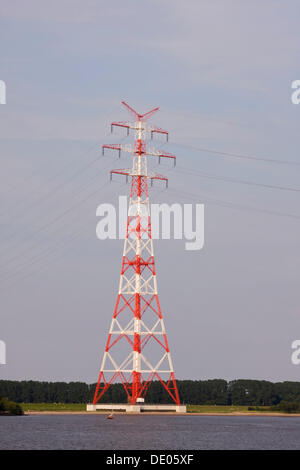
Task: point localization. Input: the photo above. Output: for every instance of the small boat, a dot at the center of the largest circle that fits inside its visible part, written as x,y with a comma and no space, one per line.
110,416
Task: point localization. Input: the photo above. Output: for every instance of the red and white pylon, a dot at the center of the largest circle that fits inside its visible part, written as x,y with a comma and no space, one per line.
137,319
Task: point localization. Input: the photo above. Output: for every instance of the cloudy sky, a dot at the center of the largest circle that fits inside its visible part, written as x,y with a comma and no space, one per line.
221,74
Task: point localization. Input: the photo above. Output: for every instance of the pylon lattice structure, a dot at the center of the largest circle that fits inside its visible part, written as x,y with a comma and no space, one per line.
137,320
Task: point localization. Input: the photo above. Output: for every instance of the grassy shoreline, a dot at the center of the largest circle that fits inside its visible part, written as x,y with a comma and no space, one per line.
80,408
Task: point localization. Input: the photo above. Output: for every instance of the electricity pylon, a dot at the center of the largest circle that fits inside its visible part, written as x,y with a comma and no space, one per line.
137,321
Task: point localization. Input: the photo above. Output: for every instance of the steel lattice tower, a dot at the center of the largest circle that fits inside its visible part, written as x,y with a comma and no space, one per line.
137,318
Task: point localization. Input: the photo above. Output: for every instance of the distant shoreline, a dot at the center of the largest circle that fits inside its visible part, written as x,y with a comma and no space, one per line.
254,413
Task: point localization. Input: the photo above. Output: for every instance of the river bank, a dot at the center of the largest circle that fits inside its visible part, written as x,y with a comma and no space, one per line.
234,413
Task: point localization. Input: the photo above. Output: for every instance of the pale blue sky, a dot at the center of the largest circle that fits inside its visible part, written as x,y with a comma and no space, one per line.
221,73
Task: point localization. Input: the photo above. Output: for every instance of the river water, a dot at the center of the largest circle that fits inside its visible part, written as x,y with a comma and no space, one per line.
149,432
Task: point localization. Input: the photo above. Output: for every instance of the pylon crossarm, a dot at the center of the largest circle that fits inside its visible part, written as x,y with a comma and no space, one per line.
129,149
158,130
119,147
160,154
112,147
126,125
124,172
121,171
157,176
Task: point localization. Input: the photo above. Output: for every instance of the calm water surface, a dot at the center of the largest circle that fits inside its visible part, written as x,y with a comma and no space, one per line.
149,432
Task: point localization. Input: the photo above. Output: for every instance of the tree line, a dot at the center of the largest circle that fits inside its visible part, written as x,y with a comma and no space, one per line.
197,392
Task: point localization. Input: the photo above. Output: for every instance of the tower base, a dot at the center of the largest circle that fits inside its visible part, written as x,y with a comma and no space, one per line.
138,408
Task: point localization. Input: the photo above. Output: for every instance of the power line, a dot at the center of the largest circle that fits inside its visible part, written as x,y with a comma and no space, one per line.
60,186
237,155
18,269
52,178
78,191
229,179
233,205
43,227
59,173
95,175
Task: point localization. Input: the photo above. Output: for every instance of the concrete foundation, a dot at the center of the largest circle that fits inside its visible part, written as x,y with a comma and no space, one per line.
138,408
